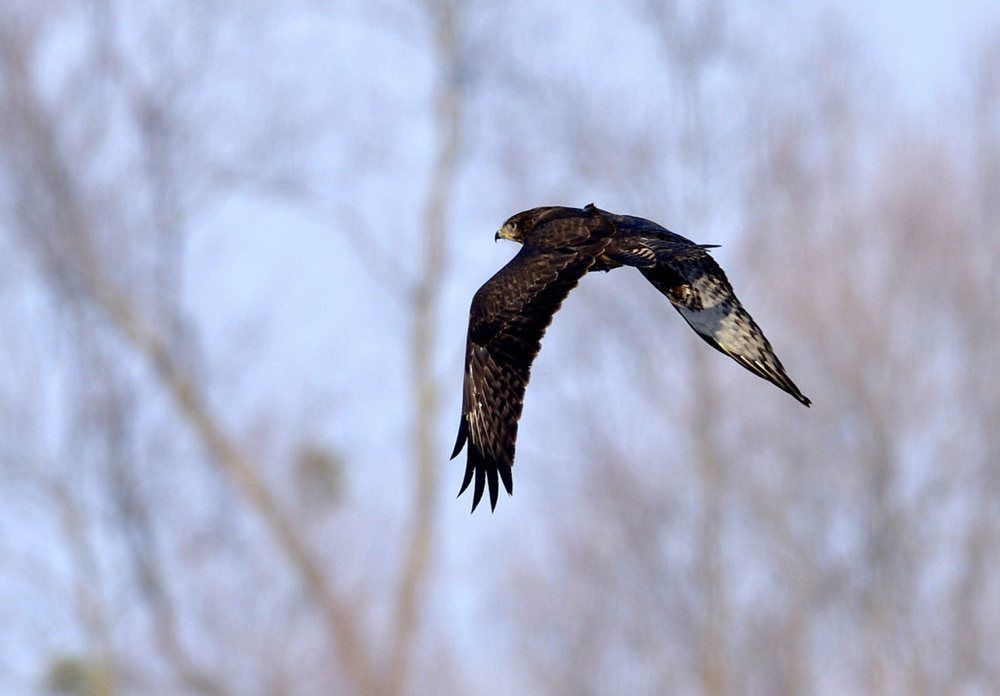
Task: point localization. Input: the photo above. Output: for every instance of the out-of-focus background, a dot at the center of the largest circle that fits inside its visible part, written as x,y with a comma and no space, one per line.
238,240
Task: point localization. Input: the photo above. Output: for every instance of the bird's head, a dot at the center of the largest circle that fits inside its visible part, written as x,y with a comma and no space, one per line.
510,230
517,226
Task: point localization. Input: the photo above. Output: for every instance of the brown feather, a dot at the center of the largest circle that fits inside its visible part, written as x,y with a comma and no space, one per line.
511,311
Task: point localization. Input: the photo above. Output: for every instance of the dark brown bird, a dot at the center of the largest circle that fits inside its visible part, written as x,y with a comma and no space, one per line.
511,311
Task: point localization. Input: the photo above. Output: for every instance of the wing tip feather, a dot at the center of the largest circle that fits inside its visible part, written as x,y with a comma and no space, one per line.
468,477
488,474
776,375
477,492
505,476
463,434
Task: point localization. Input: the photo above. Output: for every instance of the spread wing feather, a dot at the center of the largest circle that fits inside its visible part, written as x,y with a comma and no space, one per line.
508,318
699,290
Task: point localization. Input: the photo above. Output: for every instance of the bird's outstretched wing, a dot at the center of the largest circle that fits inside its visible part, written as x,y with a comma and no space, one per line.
699,290
507,320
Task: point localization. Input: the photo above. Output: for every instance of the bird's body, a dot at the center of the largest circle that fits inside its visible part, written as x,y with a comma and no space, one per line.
511,311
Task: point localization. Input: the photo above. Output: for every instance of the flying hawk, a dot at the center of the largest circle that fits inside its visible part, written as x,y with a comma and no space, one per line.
511,311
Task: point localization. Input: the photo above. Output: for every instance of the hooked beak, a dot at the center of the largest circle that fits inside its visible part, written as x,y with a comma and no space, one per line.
496,237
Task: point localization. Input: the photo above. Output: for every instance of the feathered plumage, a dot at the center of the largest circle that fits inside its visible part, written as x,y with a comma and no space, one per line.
511,311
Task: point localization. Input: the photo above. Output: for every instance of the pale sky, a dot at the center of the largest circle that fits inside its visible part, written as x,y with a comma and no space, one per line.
924,44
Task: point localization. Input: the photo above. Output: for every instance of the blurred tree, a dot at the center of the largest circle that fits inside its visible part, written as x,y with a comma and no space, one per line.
102,188
75,677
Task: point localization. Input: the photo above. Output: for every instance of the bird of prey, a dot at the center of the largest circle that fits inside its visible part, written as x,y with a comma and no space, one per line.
511,311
